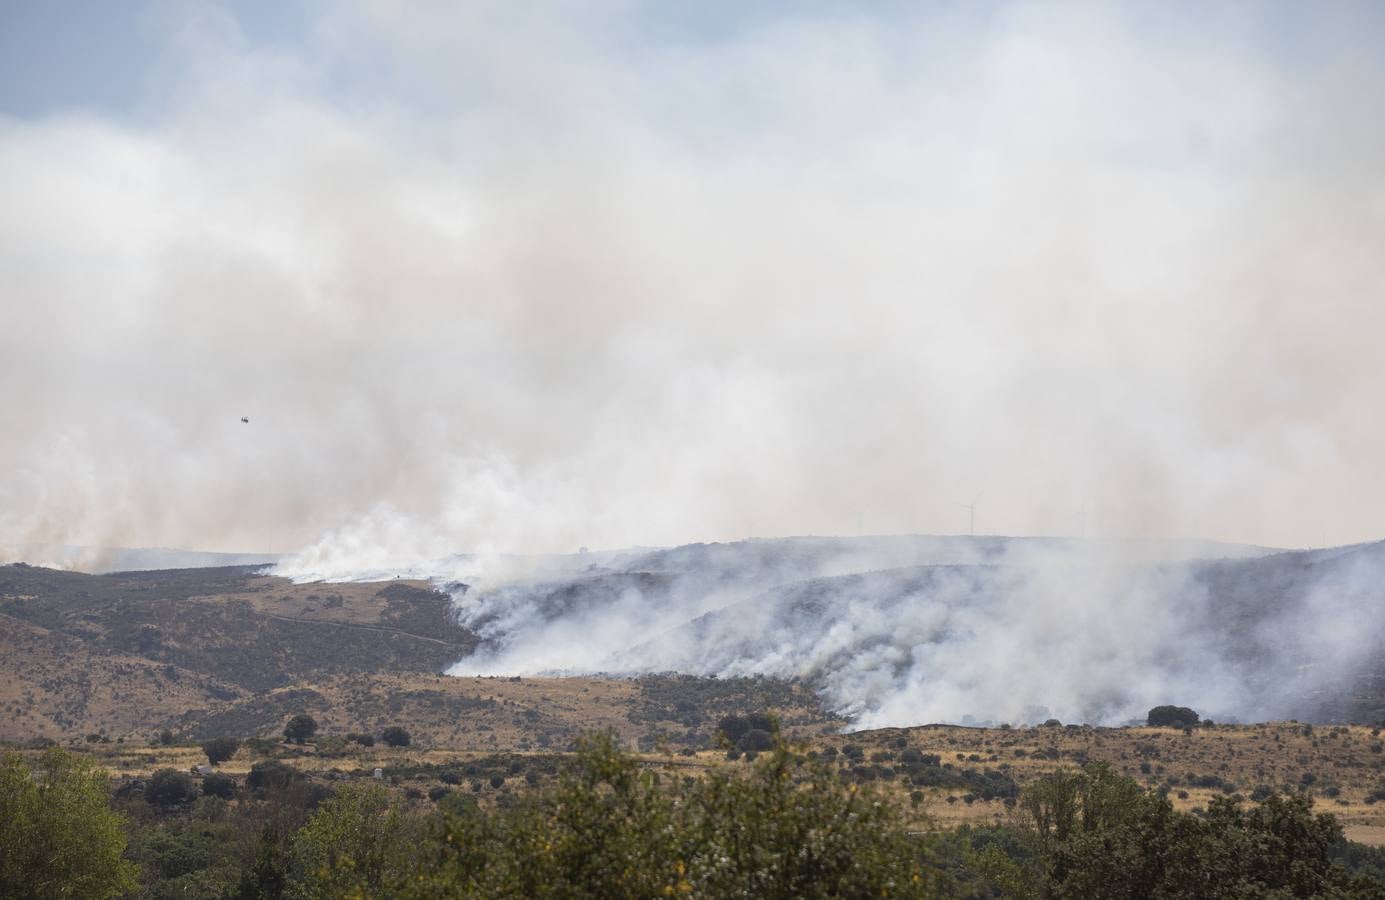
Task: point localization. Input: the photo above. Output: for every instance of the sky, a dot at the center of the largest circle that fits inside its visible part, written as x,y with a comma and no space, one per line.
531,277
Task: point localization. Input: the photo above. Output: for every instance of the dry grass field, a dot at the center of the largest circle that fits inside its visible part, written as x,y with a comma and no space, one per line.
1342,767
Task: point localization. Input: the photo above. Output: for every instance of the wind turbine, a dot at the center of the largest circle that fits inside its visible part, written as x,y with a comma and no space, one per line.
971,510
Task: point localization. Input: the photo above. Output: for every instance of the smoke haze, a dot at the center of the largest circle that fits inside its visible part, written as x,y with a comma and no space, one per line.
907,630
487,279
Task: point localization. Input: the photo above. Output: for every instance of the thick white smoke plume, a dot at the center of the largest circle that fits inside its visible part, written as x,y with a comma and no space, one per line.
902,631
505,278
910,630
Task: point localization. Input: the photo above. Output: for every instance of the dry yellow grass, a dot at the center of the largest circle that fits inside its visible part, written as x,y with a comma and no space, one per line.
1344,765
55,686
1340,765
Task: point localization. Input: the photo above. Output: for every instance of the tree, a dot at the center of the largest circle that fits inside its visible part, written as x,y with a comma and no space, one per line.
267,874
395,736
365,740
300,728
777,829
169,787
354,845
1172,717
58,835
1099,834
220,749
1052,803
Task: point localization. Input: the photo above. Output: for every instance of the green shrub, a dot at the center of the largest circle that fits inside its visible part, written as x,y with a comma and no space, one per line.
777,829
58,835
1100,835
354,845
218,785
271,775
169,787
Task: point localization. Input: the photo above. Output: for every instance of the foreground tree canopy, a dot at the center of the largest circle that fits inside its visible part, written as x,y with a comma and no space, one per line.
58,835
783,827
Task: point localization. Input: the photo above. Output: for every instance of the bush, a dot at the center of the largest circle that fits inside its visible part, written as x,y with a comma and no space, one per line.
365,740
220,749
171,852
271,775
218,785
733,727
169,787
300,728
1172,717
395,736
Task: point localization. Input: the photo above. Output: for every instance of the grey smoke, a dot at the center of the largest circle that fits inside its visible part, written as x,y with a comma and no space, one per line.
490,280
911,630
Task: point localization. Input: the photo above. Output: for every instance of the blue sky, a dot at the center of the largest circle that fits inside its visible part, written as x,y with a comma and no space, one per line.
101,57
94,56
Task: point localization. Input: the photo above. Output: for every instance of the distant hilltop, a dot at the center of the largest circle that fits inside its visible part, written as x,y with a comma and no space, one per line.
98,560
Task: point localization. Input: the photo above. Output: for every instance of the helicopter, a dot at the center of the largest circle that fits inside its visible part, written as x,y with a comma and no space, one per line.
245,419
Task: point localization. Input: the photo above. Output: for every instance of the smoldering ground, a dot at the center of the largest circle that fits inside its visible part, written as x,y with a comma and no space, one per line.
912,630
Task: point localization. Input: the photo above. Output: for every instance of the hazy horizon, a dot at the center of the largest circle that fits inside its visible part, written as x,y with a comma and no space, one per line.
326,563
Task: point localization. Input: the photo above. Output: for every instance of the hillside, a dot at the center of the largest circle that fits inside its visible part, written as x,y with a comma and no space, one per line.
135,651
207,652
871,631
